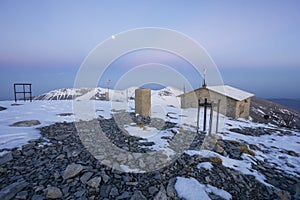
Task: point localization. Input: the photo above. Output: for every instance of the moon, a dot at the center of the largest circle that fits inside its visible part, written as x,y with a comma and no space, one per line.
113,37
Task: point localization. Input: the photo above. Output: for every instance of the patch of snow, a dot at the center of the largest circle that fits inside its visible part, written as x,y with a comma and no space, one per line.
142,132
205,165
126,168
219,192
191,189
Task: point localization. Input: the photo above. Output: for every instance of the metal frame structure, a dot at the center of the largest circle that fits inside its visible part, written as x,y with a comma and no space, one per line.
24,91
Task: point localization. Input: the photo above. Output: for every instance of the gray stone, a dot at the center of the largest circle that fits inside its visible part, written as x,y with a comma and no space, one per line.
125,195
26,123
83,198
132,183
85,177
29,152
105,178
105,190
161,195
5,156
138,195
114,192
38,188
94,182
65,189
207,179
171,189
72,170
79,193
53,193
37,197
11,190
152,190
22,195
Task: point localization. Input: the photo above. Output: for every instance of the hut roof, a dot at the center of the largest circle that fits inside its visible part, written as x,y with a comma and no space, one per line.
231,92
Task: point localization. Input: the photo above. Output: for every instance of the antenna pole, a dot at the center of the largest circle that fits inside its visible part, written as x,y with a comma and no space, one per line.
204,77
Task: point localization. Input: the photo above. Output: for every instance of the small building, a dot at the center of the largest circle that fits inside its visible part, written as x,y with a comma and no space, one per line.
234,103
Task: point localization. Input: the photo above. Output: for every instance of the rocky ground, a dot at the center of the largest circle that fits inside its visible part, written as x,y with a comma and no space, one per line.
264,111
58,166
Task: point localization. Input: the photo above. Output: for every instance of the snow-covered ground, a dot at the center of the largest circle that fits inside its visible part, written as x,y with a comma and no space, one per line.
166,106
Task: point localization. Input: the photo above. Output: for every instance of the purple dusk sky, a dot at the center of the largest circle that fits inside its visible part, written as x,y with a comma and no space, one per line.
255,44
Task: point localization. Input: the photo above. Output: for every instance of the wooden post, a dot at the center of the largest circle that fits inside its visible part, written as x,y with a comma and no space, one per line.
211,118
198,112
218,115
205,111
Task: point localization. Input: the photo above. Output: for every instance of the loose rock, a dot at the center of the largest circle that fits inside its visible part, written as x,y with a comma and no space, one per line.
53,193
138,195
161,195
94,182
72,170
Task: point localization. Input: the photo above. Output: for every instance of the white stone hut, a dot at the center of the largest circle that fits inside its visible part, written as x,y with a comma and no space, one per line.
235,103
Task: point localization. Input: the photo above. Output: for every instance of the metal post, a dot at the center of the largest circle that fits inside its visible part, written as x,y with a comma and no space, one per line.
15,93
211,117
218,115
198,115
204,122
24,96
30,93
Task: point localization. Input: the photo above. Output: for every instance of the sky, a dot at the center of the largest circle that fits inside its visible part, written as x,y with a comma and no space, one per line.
254,44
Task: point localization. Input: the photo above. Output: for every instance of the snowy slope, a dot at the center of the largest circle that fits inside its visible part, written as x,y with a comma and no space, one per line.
93,93
70,93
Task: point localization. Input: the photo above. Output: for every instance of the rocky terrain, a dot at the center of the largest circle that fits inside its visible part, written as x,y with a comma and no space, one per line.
264,111
58,166
246,160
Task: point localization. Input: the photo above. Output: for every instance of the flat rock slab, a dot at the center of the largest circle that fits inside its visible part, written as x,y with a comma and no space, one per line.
65,114
26,123
11,190
2,108
16,104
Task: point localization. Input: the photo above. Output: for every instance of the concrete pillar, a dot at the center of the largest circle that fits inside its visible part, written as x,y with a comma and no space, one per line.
143,102
106,96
